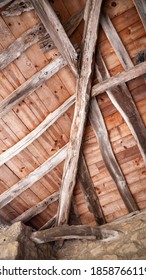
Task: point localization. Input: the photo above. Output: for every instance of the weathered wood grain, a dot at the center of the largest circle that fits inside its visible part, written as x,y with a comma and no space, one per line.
72,232
74,218
38,131
80,114
56,32
110,161
33,177
141,9
123,77
30,85
36,34
4,3
36,209
49,224
90,195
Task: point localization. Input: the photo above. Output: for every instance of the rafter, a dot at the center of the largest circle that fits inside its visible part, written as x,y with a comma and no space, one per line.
141,9
72,232
4,3
30,85
33,177
49,224
90,195
80,114
110,161
36,209
56,31
36,34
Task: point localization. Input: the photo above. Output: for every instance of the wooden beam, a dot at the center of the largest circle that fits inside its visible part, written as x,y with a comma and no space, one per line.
110,161
17,8
89,192
30,85
80,114
56,31
4,3
115,41
72,232
49,224
38,131
123,77
36,209
74,218
33,177
36,34
141,9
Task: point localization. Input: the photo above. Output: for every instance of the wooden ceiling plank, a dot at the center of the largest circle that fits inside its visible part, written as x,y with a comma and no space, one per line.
36,34
36,209
72,232
56,31
123,77
109,158
30,85
37,132
33,177
80,114
141,9
89,192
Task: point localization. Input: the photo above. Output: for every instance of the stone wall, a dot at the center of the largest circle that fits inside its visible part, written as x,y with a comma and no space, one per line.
15,244
131,243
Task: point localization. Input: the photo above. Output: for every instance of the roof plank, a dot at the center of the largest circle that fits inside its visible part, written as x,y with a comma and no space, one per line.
141,9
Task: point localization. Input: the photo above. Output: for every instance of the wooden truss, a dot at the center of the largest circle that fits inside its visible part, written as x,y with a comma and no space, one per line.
86,106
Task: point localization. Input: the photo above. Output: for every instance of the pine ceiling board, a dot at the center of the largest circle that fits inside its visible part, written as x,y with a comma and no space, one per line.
116,215
126,19
117,7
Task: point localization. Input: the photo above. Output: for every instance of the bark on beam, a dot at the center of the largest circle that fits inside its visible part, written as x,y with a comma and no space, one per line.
36,209
110,161
141,9
56,31
33,177
72,232
80,114
89,191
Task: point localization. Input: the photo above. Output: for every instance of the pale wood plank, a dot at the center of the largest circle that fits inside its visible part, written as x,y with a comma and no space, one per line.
141,9
33,177
72,232
17,7
77,129
36,209
56,31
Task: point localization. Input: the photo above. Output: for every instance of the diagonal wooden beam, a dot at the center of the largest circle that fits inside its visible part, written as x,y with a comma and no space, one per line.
73,232
90,195
80,114
33,177
123,77
49,224
74,218
36,34
141,9
17,8
36,209
56,31
30,85
110,161
4,3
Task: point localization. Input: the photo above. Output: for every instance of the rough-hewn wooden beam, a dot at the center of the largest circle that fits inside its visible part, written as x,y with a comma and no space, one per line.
30,85
123,77
36,209
49,224
38,131
4,3
115,41
33,177
74,218
89,191
17,8
110,161
80,114
56,31
36,34
72,232
141,9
